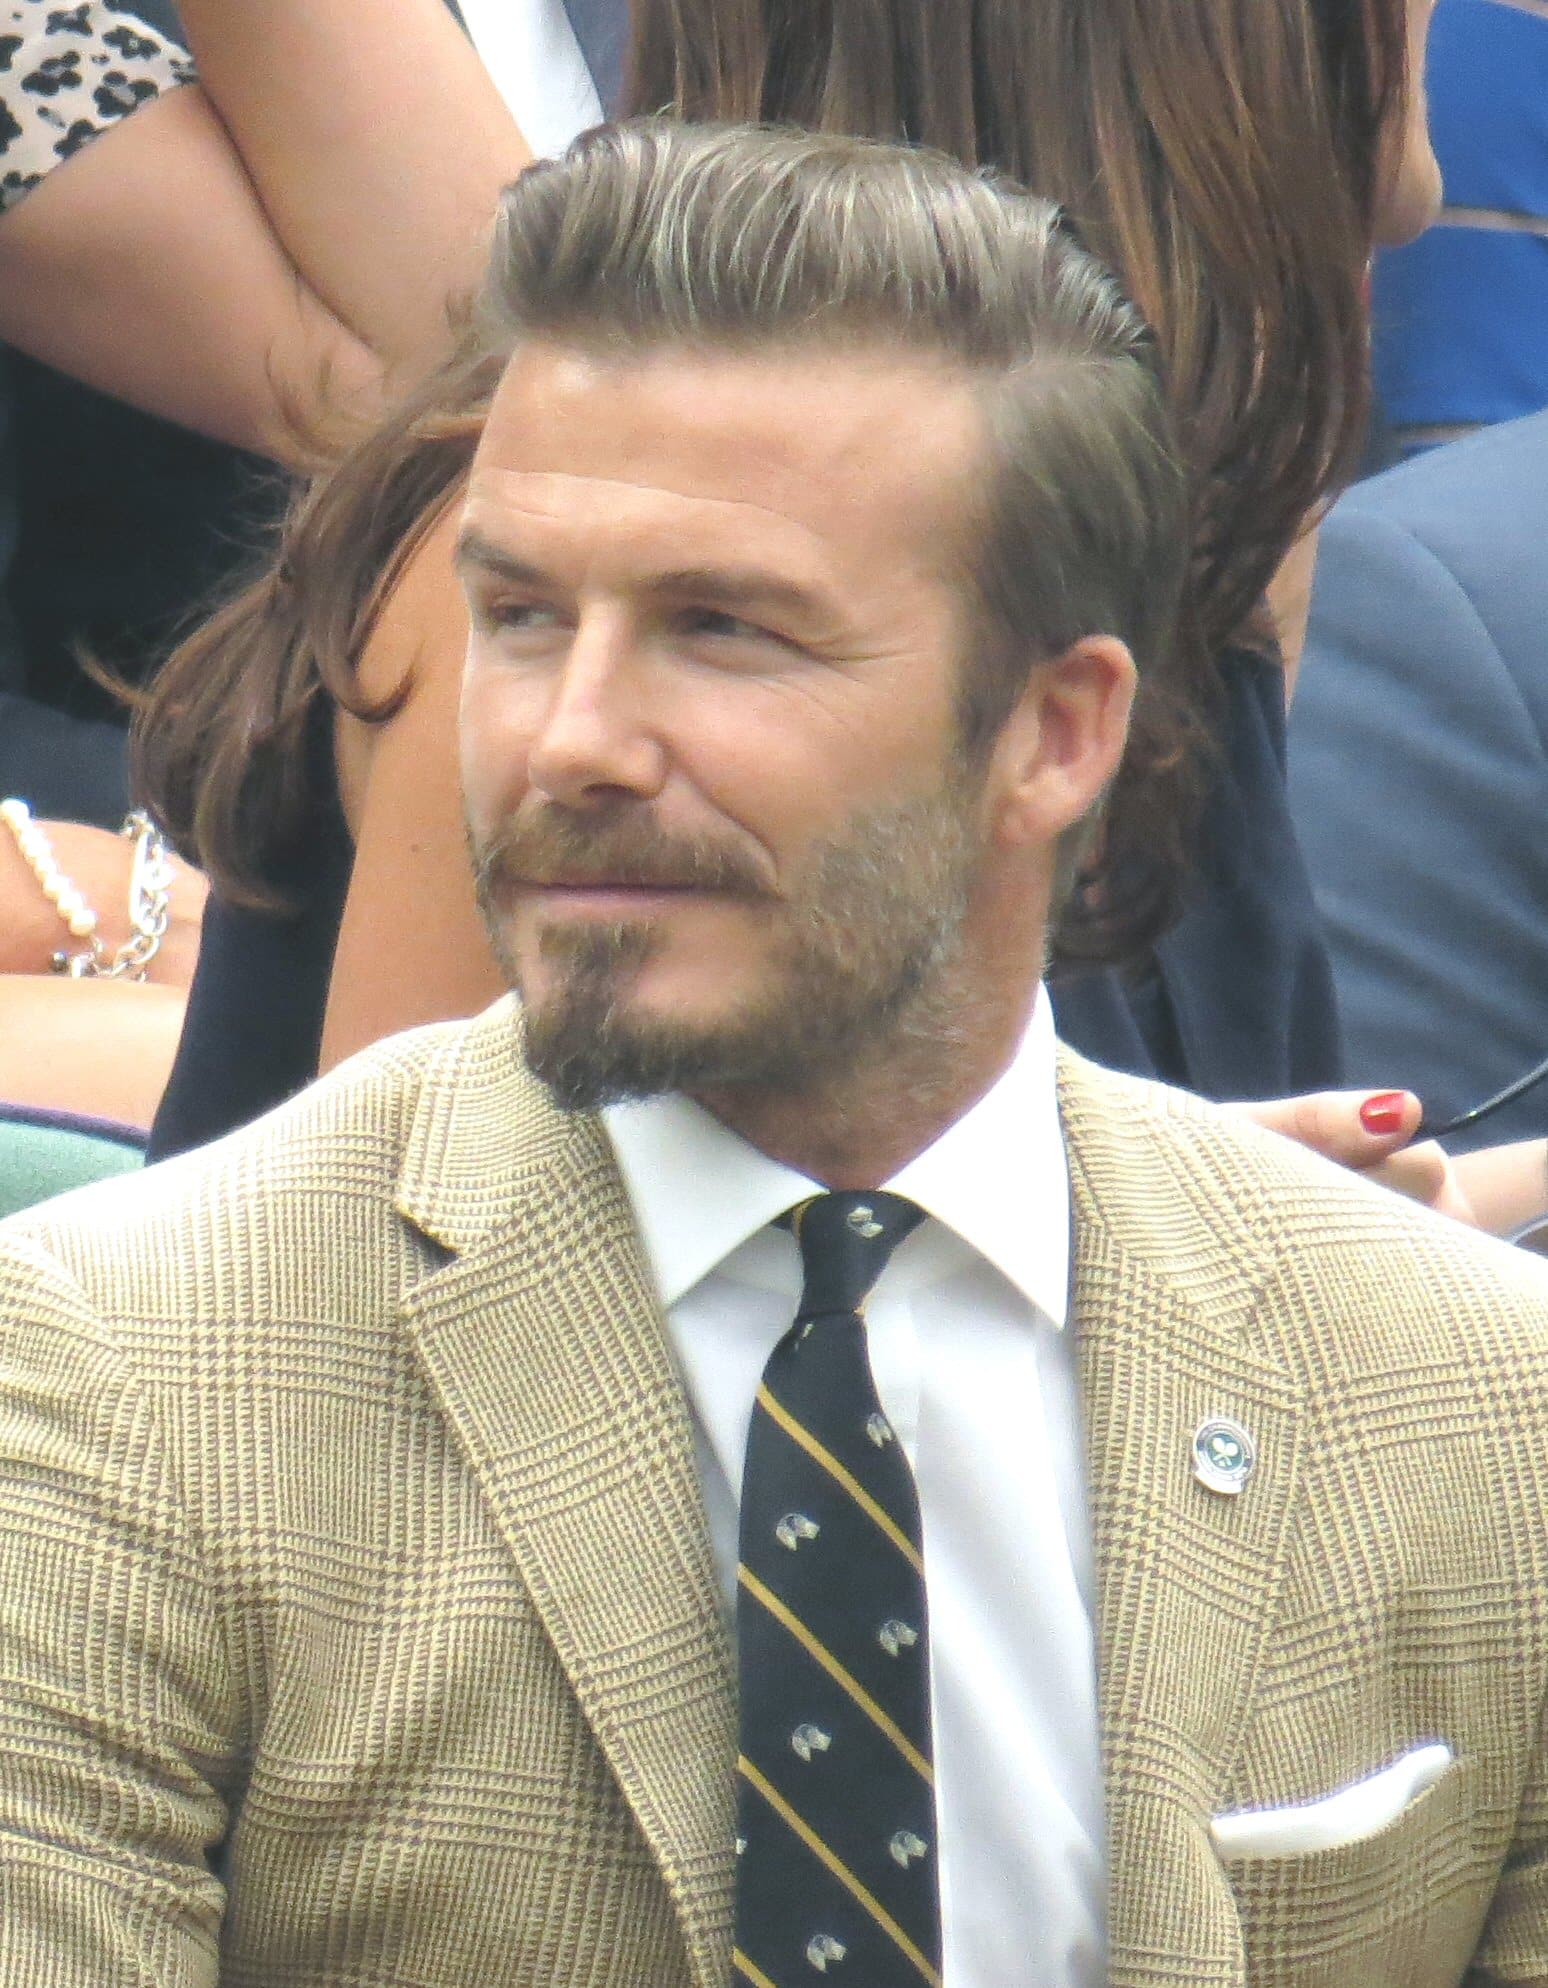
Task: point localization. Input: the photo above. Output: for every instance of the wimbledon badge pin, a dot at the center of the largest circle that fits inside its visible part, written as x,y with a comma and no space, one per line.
1223,1455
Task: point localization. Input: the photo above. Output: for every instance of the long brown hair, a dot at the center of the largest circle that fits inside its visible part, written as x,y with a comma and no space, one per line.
1222,155
219,740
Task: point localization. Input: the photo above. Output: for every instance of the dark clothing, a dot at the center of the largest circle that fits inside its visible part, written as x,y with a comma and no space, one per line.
1420,773
1240,1004
253,1028
58,765
602,30
129,529
72,769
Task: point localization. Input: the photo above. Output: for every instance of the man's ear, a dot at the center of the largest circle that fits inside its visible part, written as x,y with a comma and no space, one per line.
1060,746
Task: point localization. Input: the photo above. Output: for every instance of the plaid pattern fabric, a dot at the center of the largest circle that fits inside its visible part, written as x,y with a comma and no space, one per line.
349,1521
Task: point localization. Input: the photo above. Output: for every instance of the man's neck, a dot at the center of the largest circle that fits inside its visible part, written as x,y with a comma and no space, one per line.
859,1128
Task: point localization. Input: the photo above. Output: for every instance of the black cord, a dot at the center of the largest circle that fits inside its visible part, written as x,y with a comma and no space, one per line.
1487,1109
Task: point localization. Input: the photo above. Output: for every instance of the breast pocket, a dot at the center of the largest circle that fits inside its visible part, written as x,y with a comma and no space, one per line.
1400,1909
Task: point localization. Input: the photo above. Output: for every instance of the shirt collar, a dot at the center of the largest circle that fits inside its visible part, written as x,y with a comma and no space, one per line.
997,1178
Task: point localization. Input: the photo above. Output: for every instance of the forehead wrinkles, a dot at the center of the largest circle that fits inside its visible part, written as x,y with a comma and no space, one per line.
557,496
834,444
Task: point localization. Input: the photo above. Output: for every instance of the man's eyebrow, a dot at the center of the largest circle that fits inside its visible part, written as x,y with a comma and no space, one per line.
737,586
474,550
718,586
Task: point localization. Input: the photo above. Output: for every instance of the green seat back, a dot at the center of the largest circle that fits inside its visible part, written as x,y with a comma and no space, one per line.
43,1153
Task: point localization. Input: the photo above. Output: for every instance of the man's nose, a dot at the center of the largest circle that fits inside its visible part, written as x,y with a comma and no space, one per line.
598,738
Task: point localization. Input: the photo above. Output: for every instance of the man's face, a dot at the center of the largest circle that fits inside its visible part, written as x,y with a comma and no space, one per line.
723,828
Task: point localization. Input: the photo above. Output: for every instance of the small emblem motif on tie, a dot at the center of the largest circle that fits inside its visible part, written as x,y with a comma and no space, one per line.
835,1784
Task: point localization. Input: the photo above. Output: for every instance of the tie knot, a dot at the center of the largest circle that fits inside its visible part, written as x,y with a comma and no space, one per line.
845,1242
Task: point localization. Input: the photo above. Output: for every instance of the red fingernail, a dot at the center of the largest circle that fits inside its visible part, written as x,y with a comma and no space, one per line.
1384,1112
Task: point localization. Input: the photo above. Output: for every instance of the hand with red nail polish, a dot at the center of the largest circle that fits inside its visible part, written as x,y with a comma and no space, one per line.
1384,1111
1368,1132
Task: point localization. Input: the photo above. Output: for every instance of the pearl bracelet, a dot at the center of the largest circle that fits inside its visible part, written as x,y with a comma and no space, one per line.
38,854
150,888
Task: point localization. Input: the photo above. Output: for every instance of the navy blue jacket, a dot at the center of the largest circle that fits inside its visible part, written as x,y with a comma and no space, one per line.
1419,778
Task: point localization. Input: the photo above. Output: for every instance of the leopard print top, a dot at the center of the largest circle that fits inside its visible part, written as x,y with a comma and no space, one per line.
68,73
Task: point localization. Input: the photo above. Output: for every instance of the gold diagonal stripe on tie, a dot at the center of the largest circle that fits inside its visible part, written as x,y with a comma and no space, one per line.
840,1475
830,1663
841,1871
748,1972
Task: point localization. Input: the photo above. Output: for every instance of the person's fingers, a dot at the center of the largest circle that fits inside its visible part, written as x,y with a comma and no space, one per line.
1368,1131
1425,1174
1357,1129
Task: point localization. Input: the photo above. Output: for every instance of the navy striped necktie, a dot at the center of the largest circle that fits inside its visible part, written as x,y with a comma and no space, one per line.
836,1843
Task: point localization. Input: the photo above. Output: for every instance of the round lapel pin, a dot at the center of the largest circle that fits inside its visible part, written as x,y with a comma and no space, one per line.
1223,1455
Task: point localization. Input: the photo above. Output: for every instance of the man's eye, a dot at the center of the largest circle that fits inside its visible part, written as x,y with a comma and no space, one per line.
518,615
716,624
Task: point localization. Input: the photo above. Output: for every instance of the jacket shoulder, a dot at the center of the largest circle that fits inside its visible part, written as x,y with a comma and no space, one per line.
1486,495
1278,1242
160,1240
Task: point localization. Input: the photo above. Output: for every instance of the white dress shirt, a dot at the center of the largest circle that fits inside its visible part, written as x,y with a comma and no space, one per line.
530,50
976,1374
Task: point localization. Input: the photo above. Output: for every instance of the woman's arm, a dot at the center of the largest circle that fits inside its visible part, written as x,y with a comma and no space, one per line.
236,270
100,1047
145,265
411,946
378,143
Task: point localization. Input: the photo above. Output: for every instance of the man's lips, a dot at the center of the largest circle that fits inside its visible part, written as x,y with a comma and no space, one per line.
608,895
651,884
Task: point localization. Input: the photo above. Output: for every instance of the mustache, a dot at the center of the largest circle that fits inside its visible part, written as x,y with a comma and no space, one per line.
558,845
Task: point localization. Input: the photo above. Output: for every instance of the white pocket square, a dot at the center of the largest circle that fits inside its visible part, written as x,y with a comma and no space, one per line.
1350,1816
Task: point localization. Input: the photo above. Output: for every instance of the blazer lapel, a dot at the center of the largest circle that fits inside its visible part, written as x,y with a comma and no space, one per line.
544,1342
1187,1577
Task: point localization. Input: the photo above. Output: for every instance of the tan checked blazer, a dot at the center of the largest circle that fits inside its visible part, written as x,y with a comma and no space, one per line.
357,1618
